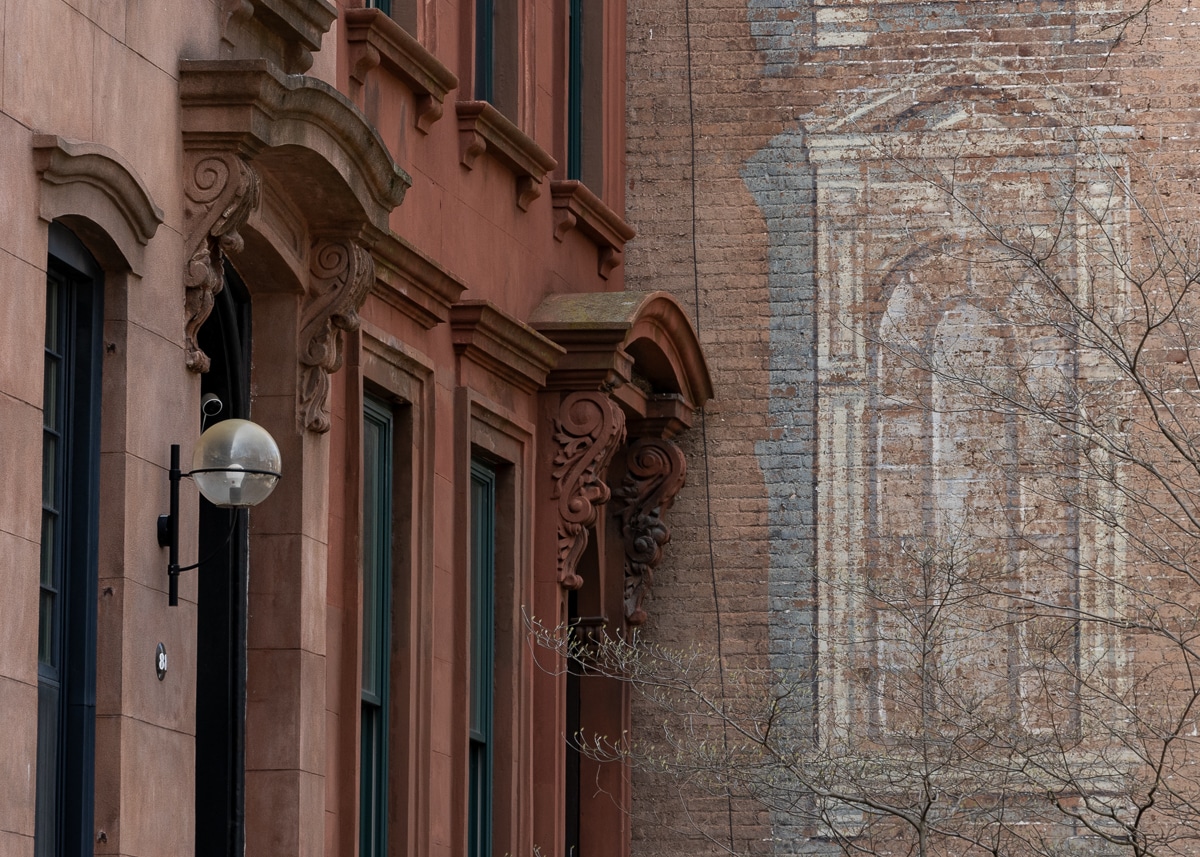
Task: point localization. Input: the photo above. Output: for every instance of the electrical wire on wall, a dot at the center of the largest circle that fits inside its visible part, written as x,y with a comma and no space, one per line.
712,563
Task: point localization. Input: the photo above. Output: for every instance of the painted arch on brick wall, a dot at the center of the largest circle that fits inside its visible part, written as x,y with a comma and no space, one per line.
910,328
950,482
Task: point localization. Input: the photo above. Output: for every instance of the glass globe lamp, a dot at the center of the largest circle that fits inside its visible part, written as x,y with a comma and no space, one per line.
236,464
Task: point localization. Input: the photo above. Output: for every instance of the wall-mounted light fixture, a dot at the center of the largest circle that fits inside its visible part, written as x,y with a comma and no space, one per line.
236,464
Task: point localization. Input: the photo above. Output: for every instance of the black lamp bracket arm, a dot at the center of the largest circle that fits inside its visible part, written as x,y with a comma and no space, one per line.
168,525
168,529
242,453
164,522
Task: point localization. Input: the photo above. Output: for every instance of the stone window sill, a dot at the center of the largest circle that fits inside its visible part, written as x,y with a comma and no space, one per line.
576,207
300,23
483,128
374,39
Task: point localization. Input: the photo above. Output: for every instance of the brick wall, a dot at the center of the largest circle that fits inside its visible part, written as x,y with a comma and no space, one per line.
779,153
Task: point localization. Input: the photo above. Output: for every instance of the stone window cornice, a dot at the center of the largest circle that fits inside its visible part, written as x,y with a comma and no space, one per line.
504,346
411,282
93,181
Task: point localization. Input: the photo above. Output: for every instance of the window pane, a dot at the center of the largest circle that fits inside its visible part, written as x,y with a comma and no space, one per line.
49,549
484,50
50,464
51,559
376,625
51,392
575,90
483,561
53,314
46,629
371,570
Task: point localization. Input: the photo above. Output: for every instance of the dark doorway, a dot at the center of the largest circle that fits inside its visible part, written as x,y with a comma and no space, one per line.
223,577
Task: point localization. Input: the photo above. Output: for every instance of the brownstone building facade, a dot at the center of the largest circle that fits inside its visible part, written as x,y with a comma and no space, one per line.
789,169
393,237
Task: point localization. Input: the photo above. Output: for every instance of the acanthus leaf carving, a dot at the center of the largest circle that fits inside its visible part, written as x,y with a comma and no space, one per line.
589,428
342,272
655,471
222,190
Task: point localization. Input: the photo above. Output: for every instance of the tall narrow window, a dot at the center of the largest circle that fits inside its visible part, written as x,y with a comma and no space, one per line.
485,49
575,90
483,571
70,534
384,5
585,93
376,624
496,68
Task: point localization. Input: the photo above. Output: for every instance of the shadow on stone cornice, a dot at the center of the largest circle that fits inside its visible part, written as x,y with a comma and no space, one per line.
299,129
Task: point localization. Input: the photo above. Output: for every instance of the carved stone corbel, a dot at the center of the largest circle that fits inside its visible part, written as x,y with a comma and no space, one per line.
221,191
588,429
655,471
342,272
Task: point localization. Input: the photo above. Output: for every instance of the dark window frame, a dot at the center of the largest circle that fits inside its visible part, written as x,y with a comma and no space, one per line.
65,790
575,89
485,50
585,93
497,70
480,762
379,428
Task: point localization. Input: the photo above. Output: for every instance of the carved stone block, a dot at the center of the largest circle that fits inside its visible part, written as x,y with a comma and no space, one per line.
221,191
655,471
589,428
342,272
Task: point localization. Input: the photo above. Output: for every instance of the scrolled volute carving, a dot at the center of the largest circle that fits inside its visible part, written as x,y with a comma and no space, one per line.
655,471
342,272
589,428
221,191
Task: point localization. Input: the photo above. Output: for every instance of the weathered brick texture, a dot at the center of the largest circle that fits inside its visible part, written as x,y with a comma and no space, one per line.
779,156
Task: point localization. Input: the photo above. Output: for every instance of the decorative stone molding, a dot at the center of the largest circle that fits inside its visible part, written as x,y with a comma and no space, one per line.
374,39
91,180
342,272
503,345
291,126
409,281
655,471
576,207
221,190
483,128
640,345
330,176
588,429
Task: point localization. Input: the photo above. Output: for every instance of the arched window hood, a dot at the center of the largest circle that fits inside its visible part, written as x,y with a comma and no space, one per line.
638,346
